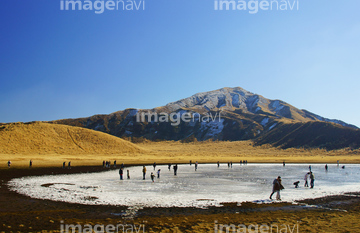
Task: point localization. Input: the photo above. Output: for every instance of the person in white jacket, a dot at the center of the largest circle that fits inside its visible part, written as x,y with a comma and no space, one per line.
306,179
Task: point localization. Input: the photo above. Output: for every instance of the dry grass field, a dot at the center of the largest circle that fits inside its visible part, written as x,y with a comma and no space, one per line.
52,144
224,151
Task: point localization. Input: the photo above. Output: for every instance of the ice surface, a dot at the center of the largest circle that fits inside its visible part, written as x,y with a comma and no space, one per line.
207,186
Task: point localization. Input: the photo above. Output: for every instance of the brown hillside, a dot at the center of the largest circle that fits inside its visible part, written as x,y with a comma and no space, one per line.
45,138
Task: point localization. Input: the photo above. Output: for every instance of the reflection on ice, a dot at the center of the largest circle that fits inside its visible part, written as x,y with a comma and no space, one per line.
209,185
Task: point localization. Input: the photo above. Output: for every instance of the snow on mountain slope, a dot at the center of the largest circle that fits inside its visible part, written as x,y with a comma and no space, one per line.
243,116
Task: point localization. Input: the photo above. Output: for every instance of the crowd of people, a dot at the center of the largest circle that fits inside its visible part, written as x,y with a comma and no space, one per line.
277,183
152,175
309,177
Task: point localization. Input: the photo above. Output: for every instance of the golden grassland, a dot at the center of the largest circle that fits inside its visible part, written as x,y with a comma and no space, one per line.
52,144
177,152
224,151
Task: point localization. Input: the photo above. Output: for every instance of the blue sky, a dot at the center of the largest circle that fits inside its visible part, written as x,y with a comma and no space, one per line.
58,64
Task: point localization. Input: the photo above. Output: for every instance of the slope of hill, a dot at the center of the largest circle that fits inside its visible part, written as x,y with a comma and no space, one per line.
236,114
311,135
45,138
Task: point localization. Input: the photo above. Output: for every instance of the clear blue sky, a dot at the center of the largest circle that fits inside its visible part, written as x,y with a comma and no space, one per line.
66,64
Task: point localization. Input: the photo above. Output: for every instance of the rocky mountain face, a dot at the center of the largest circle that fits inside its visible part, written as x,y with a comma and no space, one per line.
224,114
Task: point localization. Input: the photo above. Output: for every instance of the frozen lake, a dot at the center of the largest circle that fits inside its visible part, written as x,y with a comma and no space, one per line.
209,185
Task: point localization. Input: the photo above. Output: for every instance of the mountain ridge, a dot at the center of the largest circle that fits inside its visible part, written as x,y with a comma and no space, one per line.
244,116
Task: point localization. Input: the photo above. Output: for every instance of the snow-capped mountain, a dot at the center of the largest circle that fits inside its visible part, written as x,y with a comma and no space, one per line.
224,114
237,98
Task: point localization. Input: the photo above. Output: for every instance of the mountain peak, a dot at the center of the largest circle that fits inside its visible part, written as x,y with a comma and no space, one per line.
237,98
244,116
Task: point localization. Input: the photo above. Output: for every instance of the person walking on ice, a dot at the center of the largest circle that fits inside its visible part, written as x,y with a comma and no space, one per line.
277,186
144,172
128,174
175,167
158,174
312,180
306,179
121,172
152,176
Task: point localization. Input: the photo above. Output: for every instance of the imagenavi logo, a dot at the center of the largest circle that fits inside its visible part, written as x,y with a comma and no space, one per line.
100,6
254,6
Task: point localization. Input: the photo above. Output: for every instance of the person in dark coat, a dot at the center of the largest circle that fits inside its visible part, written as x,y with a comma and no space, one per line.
144,172
121,172
175,167
277,186
152,176
312,180
296,184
